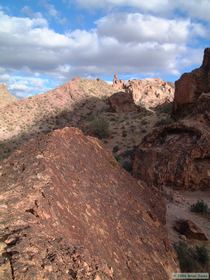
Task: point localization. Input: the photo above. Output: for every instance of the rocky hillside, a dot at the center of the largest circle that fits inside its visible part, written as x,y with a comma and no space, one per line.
177,155
5,97
77,103
68,211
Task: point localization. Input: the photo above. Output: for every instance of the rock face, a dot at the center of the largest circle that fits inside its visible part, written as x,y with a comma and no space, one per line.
190,230
175,156
68,211
148,93
118,84
191,85
5,97
122,102
151,93
178,155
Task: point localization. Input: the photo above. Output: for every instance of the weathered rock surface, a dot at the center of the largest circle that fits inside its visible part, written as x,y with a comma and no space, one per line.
151,93
68,211
190,230
191,85
122,102
5,97
148,93
178,155
118,84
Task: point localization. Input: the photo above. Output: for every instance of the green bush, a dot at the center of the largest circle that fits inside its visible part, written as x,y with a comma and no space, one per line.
191,259
127,165
99,127
199,207
185,256
115,149
202,254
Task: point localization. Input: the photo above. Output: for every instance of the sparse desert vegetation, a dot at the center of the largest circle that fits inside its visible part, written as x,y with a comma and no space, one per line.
200,207
192,259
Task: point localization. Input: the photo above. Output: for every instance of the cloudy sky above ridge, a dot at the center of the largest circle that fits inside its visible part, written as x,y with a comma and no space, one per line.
45,43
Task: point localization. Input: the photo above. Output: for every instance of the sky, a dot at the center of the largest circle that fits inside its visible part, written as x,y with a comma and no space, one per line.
45,43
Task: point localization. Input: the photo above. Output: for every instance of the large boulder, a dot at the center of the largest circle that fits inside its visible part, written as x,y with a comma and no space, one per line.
191,85
122,102
68,211
176,156
190,230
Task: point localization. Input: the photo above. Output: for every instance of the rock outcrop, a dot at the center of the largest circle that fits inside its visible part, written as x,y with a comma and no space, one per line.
191,86
68,211
5,97
150,93
122,102
178,155
190,230
118,84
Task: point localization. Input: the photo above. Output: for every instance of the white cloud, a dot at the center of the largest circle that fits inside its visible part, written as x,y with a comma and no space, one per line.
193,8
197,9
127,43
135,27
27,86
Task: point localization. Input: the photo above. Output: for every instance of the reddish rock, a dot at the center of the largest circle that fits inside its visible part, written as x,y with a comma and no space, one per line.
118,84
191,85
178,155
122,102
190,230
150,93
68,211
5,96
175,156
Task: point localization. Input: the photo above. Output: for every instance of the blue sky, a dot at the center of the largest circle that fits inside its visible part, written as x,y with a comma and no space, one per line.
45,43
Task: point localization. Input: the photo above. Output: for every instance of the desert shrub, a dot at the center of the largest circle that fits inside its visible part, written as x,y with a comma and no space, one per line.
164,122
119,159
191,259
185,256
99,127
199,207
115,149
127,165
128,153
144,122
167,108
202,255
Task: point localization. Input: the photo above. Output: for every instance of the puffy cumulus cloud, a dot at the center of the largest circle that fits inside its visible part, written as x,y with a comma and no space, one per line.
197,9
135,27
125,43
193,8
